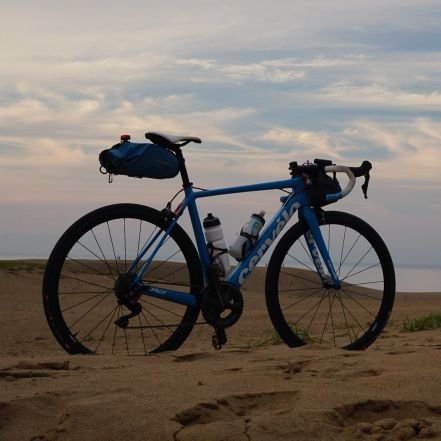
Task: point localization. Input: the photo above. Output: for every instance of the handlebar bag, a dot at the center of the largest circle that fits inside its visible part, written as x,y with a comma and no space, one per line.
321,185
140,160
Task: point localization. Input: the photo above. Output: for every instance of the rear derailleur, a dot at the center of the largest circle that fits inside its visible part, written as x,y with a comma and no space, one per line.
127,296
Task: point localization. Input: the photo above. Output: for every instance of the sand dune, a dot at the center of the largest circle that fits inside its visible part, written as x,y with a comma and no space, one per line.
253,389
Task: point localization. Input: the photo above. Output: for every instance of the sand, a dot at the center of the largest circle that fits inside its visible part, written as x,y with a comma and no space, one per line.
252,389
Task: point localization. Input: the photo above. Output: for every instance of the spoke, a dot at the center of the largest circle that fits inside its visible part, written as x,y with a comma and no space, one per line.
317,305
87,312
361,271
84,281
303,298
151,327
105,331
67,293
160,263
315,313
99,323
113,247
110,276
313,269
127,343
151,241
299,289
116,328
139,238
296,276
160,307
159,320
142,335
354,319
85,301
342,249
358,303
308,253
147,240
331,304
347,289
350,249
348,274
344,315
102,253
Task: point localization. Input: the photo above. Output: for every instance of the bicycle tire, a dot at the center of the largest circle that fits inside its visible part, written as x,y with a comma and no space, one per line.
79,294
303,311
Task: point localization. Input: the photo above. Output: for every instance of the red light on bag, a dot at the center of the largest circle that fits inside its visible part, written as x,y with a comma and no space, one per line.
125,137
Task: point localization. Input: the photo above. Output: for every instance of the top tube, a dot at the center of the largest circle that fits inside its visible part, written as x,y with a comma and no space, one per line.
295,183
273,185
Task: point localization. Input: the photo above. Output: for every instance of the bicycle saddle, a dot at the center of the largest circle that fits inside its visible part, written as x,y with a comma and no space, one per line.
170,140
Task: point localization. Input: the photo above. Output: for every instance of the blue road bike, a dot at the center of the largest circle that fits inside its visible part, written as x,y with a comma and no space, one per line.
127,278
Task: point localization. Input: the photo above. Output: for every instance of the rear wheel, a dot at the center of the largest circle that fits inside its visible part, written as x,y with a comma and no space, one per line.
303,311
87,272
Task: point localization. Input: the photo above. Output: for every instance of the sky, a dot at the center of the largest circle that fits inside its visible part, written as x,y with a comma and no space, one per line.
262,83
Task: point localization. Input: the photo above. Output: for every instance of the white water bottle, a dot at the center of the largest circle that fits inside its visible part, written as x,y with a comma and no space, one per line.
247,236
216,244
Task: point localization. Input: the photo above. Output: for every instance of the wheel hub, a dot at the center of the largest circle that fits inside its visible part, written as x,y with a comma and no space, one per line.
124,288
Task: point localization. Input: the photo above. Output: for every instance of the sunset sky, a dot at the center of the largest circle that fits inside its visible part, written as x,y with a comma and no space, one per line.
262,83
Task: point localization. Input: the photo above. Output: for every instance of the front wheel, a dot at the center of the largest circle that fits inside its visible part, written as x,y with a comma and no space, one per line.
303,311
86,273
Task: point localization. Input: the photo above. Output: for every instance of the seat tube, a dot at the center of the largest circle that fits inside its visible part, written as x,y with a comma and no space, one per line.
317,248
197,227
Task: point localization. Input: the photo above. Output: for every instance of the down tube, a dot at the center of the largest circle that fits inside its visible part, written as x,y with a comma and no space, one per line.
266,239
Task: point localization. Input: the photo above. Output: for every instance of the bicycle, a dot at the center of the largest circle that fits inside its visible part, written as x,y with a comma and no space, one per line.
127,278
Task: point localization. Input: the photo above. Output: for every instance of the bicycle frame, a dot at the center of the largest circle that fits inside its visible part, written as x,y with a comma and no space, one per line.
297,200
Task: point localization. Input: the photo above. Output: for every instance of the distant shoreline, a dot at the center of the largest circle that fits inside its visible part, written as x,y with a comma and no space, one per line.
410,278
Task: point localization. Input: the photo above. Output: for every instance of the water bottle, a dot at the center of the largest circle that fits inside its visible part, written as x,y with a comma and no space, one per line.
216,244
248,235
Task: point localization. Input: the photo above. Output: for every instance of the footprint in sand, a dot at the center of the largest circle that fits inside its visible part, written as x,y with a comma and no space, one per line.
25,369
231,415
292,368
390,420
191,357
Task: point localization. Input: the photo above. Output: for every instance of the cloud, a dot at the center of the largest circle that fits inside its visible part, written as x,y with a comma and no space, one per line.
271,71
407,152
413,146
299,141
380,95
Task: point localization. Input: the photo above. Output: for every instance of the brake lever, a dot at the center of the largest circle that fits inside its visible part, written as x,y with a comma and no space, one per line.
364,187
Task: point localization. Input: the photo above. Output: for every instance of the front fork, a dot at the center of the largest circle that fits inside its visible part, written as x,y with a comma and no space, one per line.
318,249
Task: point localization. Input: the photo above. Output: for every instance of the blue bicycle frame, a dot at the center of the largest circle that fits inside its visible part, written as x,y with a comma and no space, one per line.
297,200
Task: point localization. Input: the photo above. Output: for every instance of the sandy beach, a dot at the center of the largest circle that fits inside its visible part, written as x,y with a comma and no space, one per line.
255,388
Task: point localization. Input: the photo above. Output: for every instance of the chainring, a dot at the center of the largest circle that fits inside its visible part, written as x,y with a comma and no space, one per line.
223,308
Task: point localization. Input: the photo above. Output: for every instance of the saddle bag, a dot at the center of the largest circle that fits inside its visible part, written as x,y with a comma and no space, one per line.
140,160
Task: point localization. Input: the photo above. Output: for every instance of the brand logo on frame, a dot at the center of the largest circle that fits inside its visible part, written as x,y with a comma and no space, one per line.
281,221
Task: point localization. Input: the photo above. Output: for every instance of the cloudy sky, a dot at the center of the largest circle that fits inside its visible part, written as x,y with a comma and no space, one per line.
262,83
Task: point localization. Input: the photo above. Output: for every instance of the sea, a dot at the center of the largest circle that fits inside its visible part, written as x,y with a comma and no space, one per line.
418,279
408,278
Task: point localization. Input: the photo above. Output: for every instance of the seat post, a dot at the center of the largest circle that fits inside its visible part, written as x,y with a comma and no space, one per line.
182,168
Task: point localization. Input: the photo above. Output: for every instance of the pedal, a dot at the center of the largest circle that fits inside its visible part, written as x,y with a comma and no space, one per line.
219,338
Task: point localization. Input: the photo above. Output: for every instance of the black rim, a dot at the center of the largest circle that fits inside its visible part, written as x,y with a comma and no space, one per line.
350,317
84,304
